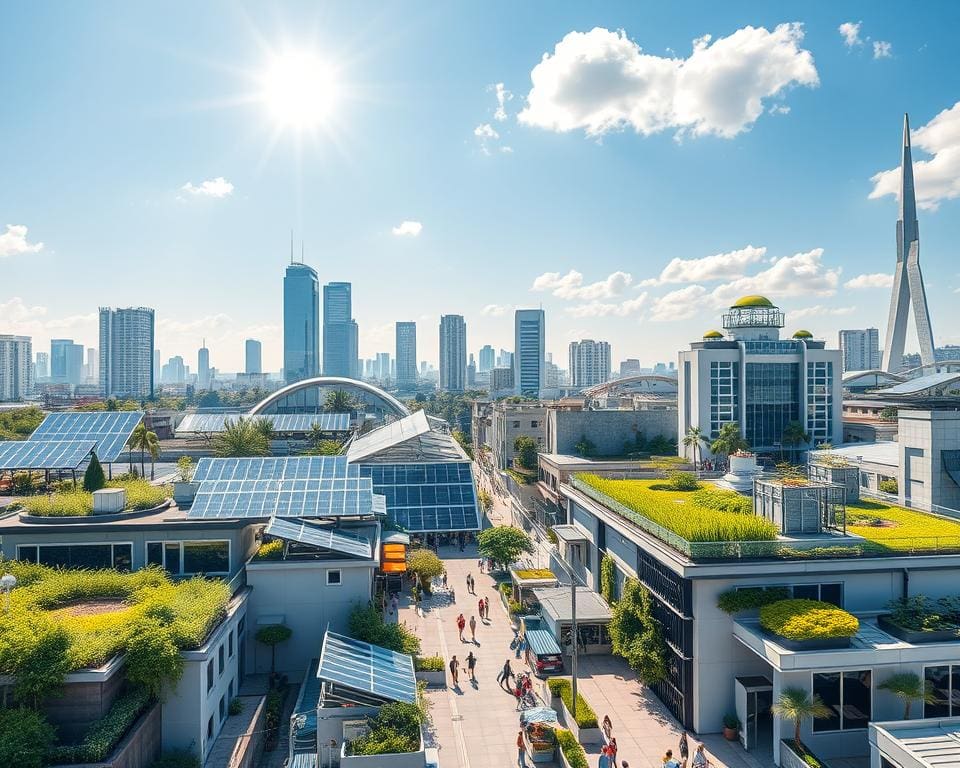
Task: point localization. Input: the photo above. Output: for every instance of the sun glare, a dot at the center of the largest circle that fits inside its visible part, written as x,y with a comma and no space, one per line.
299,90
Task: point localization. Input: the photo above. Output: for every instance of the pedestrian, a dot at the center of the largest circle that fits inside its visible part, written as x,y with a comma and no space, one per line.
471,665
684,749
480,607
604,761
607,726
461,624
455,671
444,579
700,758
486,608
521,751
473,629
669,761
505,674
480,565
612,750
395,604
469,583
521,646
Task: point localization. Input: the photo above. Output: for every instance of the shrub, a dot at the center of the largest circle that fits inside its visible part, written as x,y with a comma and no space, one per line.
525,448
571,748
682,481
107,732
366,623
723,500
429,664
274,708
889,485
535,573
270,550
271,636
503,543
185,468
394,730
807,620
426,565
25,738
93,478
608,580
79,503
236,706
515,607
637,635
586,717
918,614
177,759
152,656
748,598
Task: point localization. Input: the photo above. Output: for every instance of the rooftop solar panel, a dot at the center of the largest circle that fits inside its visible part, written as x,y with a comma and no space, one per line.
337,497
407,428
44,454
282,422
274,468
110,429
327,538
361,673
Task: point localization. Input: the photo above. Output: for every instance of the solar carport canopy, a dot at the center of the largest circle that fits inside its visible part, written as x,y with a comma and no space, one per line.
353,672
53,454
109,429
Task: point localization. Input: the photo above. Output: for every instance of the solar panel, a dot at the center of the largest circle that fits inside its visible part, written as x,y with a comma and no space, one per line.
427,497
275,468
368,674
282,422
44,454
285,498
327,538
407,428
110,429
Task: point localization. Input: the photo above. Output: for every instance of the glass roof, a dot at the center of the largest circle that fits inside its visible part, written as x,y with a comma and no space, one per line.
327,538
44,454
110,429
354,672
407,428
282,422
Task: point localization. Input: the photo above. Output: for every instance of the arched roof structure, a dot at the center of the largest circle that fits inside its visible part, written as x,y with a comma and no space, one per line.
872,378
936,367
388,402
651,379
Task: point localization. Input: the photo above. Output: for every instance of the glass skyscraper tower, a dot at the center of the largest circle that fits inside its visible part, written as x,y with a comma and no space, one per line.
529,352
126,352
406,355
340,336
301,315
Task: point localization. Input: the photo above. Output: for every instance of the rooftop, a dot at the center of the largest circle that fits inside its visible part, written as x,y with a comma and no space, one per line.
928,743
751,301
886,453
417,437
556,602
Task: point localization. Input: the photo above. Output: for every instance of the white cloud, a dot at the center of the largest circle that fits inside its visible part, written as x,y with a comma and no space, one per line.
14,242
506,150
819,311
874,280
802,274
503,96
850,31
602,81
486,131
623,308
494,310
216,188
407,229
882,49
570,285
681,304
720,266
938,178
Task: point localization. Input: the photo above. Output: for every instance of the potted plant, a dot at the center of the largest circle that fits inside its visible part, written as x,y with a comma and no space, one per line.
731,727
184,489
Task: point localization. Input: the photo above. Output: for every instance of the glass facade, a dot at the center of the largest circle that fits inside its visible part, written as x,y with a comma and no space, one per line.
847,696
301,315
190,557
529,352
340,335
93,556
453,353
406,354
772,347
724,394
820,401
772,401
944,679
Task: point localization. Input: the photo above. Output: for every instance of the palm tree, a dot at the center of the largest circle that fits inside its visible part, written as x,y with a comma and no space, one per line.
263,425
793,435
693,438
338,401
240,438
145,441
729,440
316,435
797,705
908,687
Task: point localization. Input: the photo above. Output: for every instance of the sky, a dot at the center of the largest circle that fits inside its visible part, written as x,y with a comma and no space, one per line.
632,168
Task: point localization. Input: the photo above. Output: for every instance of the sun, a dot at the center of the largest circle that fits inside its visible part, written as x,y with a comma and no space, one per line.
299,90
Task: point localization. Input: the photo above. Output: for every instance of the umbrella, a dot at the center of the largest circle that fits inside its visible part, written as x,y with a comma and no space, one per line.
543,715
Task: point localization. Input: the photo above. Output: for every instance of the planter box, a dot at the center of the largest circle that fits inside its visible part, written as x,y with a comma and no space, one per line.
790,759
917,636
184,493
402,760
820,644
432,677
583,735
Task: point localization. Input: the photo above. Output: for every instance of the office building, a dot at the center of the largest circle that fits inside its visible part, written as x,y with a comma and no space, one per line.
340,336
203,367
91,370
860,349
629,367
753,378
301,318
42,369
486,359
529,352
126,352
66,362
501,382
504,359
253,362
907,278
589,362
156,366
406,355
381,366
453,353
174,372
16,367
471,372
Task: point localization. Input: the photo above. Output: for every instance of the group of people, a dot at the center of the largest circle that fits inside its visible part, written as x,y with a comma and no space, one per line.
462,625
608,755
454,665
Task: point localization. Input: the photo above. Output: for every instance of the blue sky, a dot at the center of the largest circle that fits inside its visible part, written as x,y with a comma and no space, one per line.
757,144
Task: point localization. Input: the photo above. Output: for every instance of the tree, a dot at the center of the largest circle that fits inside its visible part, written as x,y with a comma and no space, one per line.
145,441
25,738
608,578
585,447
909,687
890,413
464,441
339,401
637,635
797,705
240,438
185,468
264,426
316,435
794,435
503,543
325,448
694,438
729,440
426,565
271,636
526,452
93,478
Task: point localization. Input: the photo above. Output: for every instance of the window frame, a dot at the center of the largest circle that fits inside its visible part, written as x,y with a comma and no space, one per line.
180,542
111,544
339,581
949,701
844,671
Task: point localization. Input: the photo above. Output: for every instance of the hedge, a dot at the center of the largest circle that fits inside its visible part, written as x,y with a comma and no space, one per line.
807,620
748,598
586,717
571,748
106,732
429,664
78,503
535,573
270,550
366,623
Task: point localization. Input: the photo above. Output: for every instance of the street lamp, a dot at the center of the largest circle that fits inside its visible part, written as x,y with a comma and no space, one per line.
7,582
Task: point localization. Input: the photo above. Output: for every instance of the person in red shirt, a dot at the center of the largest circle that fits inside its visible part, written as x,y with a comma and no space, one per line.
461,625
480,608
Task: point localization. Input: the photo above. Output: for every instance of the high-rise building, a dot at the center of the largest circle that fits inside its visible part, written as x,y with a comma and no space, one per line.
406,353
301,318
382,366
252,353
90,372
589,362
860,349
907,278
453,353
501,381
753,378
16,367
66,362
174,372
340,336
529,352
471,372
156,366
203,366
629,367
126,352
504,359
42,368
486,359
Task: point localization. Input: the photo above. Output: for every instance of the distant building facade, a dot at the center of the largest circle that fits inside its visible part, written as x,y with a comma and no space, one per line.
340,334
42,368
126,352
486,359
253,356
301,316
203,367
453,353
16,367
66,362
406,355
589,362
501,382
529,352
860,349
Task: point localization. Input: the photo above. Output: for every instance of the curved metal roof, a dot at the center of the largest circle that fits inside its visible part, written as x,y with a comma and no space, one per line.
923,383
651,378
339,382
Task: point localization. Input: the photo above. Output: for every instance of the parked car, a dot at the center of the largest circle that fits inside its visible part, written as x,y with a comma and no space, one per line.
543,653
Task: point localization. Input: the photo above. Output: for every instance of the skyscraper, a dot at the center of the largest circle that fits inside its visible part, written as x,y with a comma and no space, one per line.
528,352
471,372
253,362
66,362
301,316
453,353
16,367
485,359
382,366
203,366
340,336
907,277
42,370
589,362
126,352
406,355
860,349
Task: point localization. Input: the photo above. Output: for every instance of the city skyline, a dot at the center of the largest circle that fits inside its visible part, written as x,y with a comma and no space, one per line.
604,246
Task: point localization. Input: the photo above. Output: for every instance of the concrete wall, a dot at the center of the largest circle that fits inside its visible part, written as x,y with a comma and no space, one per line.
139,748
510,422
922,436
84,699
609,431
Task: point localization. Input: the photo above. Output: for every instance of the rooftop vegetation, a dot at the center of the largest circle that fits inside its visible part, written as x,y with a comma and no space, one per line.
366,623
76,502
572,749
701,515
586,717
395,729
898,529
750,598
19,423
534,573
921,614
807,620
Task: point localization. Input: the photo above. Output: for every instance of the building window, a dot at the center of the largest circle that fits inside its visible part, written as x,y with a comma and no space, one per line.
847,696
209,675
516,425
230,644
772,401
155,553
206,557
828,593
724,394
944,679
534,424
223,708
91,556
333,578
220,659
820,401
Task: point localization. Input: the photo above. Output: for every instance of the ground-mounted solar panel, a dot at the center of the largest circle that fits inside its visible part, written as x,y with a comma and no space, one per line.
328,538
355,672
275,468
109,429
320,498
208,423
44,454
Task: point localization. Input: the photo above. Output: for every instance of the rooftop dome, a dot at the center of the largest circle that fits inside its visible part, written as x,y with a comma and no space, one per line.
801,334
713,335
752,301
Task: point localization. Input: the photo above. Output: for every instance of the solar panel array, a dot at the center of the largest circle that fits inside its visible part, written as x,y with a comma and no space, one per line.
407,428
427,497
327,538
274,468
44,454
282,422
355,672
110,430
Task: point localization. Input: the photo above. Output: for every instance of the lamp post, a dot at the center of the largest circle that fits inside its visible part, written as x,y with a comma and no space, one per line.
7,582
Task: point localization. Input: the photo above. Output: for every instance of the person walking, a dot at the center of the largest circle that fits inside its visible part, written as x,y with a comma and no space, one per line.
444,579
700,758
604,761
521,646
480,608
471,666
612,750
473,629
461,624
486,608
607,727
480,564
669,761
521,751
455,671
505,674
684,749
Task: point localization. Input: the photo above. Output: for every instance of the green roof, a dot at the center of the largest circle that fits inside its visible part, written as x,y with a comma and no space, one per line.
713,335
752,301
801,334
